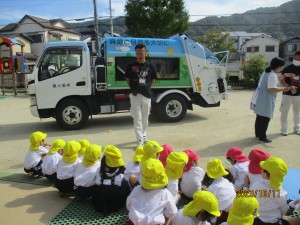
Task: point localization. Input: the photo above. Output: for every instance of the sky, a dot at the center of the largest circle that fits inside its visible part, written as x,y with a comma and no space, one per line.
12,11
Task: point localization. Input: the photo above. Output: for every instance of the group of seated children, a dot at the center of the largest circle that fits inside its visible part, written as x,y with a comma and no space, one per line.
248,192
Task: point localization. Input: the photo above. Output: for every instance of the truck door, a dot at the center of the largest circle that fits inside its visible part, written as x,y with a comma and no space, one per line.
62,71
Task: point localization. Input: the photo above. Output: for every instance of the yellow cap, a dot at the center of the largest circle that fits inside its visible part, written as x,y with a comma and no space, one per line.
153,174
71,151
202,200
176,162
56,145
139,153
151,148
215,169
277,169
91,155
35,140
84,144
113,156
243,211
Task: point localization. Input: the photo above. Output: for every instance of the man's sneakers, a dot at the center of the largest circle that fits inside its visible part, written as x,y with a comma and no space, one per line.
145,139
139,143
284,133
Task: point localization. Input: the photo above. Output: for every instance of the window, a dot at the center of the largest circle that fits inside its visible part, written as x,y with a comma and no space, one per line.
56,62
55,37
37,38
270,48
166,68
253,49
292,47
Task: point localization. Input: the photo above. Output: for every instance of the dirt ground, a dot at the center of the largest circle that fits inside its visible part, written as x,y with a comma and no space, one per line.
210,132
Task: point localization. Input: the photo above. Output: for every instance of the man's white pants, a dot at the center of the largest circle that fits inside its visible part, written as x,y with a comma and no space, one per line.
140,110
286,103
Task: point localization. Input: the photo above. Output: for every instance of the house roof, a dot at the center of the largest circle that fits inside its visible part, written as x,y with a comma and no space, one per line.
289,40
262,36
47,24
243,34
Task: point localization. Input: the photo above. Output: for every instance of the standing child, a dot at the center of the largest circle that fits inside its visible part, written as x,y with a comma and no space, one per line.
49,165
114,188
255,156
219,186
87,171
66,169
271,197
176,162
243,211
34,157
151,203
192,176
84,144
239,166
199,211
133,169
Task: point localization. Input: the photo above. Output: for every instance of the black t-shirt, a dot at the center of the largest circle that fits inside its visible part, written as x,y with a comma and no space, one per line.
295,81
140,76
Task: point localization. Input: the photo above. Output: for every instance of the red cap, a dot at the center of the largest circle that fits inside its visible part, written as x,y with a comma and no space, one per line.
164,154
237,154
193,156
256,156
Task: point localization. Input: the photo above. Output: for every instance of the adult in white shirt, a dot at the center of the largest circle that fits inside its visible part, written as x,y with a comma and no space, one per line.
263,101
151,203
199,211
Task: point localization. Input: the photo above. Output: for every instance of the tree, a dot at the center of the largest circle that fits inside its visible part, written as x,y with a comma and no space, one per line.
215,41
254,67
155,18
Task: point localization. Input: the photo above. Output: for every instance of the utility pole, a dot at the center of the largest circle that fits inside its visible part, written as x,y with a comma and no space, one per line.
111,20
96,27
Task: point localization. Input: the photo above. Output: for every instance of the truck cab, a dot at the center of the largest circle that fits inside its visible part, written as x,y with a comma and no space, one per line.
70,85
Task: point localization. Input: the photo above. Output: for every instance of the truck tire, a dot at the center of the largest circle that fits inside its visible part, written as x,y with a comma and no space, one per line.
72,114
172,108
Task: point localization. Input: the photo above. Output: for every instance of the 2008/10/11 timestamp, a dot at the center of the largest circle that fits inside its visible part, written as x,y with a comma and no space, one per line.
258,193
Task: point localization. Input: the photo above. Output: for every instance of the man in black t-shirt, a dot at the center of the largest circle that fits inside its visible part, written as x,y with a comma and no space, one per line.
140,76
292,97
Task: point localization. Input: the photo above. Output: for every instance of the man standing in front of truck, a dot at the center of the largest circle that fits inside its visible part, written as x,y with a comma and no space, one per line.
140,76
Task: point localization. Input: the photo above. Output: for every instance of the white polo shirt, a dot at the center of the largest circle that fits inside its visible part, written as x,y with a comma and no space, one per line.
33,158
224,192
49,165
86,176
271,206
180,219
191,181
66,170
239,171
150,207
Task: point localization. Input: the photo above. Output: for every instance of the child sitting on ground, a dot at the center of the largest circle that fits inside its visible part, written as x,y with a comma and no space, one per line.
113,188
151,202
192,176
239,166
34,157
133,168
271,197
84,144
255,156
66,168
49,165
87,171
164,154
243,211
199,211
215,182
176,162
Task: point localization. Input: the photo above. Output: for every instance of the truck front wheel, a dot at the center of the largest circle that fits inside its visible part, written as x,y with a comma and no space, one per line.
172,108
72,114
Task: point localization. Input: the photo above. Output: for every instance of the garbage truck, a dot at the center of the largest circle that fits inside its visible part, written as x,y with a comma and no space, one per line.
71,85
